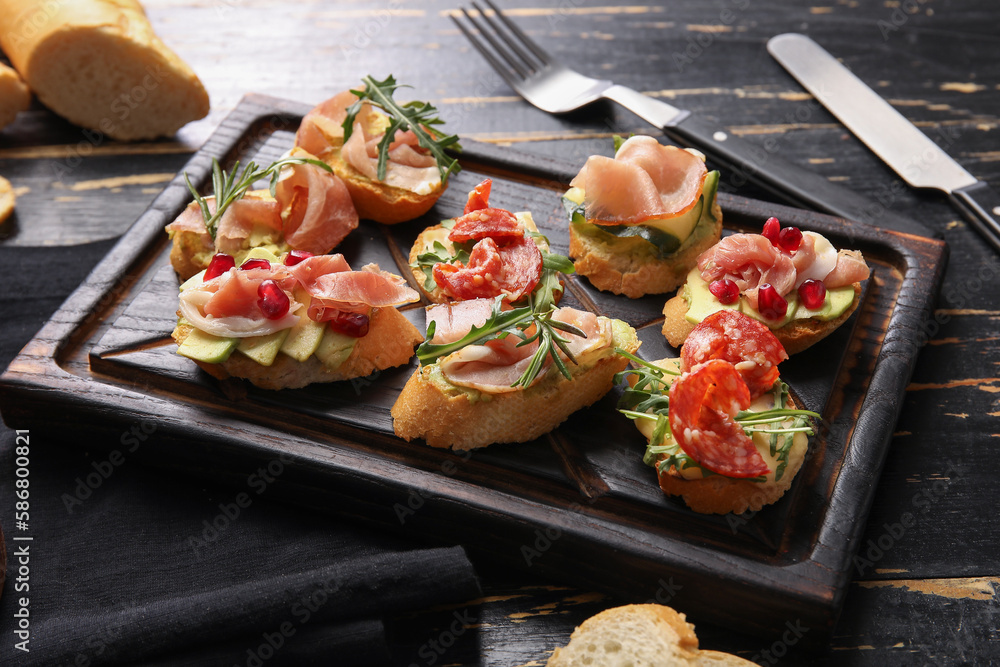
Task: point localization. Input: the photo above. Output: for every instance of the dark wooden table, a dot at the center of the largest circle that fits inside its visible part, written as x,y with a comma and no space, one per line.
925,593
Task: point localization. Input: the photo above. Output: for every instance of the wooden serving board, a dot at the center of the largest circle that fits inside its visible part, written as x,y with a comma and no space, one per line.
577,504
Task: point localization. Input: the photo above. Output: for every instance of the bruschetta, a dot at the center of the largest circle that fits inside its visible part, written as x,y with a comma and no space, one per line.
492,375
484,253
638,221
291,321
390,155
722,430
309,210
795,282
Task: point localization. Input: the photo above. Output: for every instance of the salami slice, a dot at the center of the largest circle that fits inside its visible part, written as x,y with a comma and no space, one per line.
480,279
479,197
742,341
703,403
513,269
495,223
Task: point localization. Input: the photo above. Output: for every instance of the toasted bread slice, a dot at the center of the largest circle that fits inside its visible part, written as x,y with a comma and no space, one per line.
632,266
649,635
795,336
6,199
445,415
389,342
14,95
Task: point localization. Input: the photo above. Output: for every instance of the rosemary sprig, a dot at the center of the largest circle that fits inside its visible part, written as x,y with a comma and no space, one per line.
419,117
229,187
517,322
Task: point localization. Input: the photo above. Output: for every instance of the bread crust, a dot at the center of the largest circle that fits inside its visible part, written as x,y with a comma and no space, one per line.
380,202
86,61
464,420
389,342
633,267
638,634
14,96
7,199
796,336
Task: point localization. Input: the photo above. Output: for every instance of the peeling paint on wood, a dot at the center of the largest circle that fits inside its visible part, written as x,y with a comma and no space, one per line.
977,588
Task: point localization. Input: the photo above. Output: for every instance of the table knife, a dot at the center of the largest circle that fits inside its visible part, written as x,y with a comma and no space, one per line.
919,161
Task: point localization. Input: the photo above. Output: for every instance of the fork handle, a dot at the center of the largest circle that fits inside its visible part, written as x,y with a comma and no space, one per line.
761,164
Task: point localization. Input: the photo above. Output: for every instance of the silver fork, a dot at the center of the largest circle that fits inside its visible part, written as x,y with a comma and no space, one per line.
545,83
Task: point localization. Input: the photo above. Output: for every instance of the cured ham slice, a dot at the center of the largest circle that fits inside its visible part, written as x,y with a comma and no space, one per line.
749,260
323,123
645,180
850,269
238,222
192,220
318,209
357,291
742,341
498,364
227,306
452,321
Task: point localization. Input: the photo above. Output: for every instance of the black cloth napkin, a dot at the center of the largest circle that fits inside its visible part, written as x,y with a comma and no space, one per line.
137,565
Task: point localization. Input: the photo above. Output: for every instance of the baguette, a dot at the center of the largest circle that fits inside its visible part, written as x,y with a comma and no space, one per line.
638,635
14,95
389,343
447,415
100,65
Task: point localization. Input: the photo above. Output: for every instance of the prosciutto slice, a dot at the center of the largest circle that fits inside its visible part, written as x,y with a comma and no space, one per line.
409,166
318,209
749,260
497,364
644,181
227,306
238,221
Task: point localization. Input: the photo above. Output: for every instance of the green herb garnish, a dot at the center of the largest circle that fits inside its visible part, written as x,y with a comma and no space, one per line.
229,187
419,117
514,322
649,399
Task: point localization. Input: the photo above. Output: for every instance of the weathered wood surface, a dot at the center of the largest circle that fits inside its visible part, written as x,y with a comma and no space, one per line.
927,594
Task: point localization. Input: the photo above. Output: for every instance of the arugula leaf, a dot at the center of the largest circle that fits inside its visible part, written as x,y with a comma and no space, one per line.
498,321
418,117
228,187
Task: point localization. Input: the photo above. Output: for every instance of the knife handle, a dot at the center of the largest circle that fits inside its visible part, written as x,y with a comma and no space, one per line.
981,205
803,188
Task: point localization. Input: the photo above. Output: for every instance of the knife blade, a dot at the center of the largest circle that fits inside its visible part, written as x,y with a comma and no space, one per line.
912,154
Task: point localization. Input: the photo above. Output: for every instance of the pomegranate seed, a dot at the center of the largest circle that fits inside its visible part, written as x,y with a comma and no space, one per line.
771,229
295,256
220,263
812,293
789,239
354,325
770,304
273,302
725,291
255,264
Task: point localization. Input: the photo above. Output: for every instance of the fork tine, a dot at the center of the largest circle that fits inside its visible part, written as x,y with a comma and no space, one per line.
527,41
499,67
512,62
510,39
